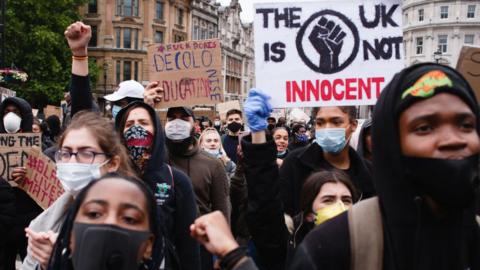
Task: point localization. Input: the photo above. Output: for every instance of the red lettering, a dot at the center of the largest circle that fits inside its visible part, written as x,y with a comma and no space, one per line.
336,95
378,81
313,89
349,88
326,90
362,87
289,95
299,91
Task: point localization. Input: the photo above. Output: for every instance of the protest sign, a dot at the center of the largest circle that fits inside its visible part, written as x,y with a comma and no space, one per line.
52,110
469,65
327,53
190,73
13,151
5,93
223,108
41,181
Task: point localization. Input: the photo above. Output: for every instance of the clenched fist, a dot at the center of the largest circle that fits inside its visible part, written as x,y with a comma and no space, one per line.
78,35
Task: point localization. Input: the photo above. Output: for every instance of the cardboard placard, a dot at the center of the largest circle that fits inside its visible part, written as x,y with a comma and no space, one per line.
469,65
41,181
223,108
327,53
5,93
13,151
189,72
53,110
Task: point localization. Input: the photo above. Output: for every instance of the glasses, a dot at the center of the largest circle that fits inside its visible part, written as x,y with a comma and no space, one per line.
82,156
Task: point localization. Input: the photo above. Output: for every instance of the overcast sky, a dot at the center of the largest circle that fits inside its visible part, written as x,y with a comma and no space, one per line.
247,7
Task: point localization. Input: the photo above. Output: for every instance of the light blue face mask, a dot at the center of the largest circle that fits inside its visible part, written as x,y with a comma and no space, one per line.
115,110
332,140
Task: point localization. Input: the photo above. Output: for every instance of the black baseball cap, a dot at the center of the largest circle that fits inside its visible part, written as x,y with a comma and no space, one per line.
183,109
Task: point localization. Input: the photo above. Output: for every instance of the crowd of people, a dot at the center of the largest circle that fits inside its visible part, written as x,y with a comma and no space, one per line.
250,191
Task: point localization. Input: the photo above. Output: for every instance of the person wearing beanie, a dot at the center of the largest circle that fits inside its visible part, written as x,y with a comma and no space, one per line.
426,145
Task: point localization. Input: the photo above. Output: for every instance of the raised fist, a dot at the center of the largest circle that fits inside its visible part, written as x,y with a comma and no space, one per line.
327,38
78,35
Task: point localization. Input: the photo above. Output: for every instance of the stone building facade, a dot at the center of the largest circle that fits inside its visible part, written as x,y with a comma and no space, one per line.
436,30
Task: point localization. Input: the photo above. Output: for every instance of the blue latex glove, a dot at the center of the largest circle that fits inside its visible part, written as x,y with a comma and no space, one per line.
257,109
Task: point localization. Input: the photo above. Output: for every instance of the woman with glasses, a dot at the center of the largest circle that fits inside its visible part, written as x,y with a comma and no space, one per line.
210,142
88,149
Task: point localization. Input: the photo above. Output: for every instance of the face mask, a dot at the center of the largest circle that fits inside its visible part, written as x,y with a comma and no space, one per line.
102,247
115,110
217,123
451,183
214,152
139,143
281,154
179,148
178,129
332,140
75,176
234,127
301,137
11,122
329,212
270,126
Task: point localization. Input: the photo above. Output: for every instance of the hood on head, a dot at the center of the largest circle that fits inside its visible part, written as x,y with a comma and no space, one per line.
25,111
362,145
394,191
157,158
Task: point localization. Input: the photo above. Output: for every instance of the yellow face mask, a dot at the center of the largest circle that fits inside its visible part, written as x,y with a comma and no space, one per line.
329,212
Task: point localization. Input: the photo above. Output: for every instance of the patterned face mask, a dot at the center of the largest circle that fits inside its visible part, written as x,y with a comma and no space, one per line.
139,142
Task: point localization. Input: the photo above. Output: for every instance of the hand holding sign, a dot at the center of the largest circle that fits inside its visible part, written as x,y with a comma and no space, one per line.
327,38
78,35
153,94
18,175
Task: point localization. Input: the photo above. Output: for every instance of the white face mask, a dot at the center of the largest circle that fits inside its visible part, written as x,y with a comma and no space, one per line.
75,176
214,152
178,129
11,122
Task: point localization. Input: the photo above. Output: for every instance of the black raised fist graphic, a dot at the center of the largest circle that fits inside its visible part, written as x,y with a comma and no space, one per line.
327,39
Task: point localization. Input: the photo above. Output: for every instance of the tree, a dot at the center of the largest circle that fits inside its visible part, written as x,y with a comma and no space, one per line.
35,44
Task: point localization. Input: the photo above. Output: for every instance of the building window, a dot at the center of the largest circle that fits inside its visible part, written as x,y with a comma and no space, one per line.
419,45
159,10
211,31
178,38
92,6
443,12
127,38
118,40
93,39
196,32
117,71
180,16
158,37
135,72
203,34
471,11
469,39
135,39
127,70
127,8
442,43
421,14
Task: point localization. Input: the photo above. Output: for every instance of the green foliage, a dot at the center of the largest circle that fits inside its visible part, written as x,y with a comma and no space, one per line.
35,44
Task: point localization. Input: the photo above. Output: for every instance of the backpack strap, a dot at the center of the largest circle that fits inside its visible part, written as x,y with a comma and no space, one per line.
366,235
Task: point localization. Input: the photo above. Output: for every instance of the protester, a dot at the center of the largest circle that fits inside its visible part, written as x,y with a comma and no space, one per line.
280,137
118,229
66,110
128,91
37,127
324,194
213,232
217,124
211,142
87,150
207,173
333,129
271,123
7,215
54,127
17,117
364,148
145,140
425,138
299,137
234,127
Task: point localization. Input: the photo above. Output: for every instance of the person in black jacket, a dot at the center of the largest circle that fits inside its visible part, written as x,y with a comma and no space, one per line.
16,115
426,146
7,214
324,194
145,139
330,150
299,137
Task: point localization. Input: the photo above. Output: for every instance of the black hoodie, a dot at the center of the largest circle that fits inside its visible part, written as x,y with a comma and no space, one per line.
178,206
25,207
413,237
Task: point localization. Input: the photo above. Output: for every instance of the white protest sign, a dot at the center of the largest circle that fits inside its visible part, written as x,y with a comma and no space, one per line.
327,53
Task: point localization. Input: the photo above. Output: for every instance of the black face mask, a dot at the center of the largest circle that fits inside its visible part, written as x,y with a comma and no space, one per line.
234,127
105,247
270,127
178,148
451,183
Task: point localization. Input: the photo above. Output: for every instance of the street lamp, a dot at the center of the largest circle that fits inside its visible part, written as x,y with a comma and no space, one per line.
437,55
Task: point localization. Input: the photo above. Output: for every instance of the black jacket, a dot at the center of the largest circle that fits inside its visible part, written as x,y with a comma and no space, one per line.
81,95
413,237
300,163
265,216
175,197
25,207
